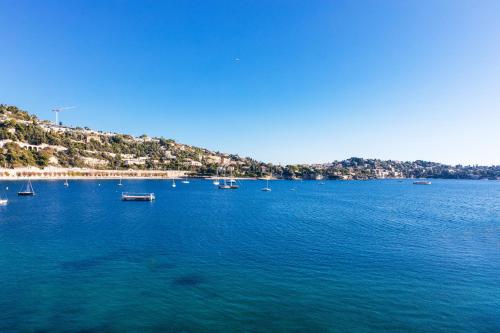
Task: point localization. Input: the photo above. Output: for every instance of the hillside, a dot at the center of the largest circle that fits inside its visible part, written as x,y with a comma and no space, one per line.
26,140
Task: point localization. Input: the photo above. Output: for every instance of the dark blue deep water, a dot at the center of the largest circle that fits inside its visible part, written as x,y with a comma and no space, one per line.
365,256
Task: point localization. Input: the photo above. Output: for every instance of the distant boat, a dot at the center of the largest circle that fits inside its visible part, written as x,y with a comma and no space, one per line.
216,181
173,182
233,185
120,183
232,182
138,196
267,188
229,184
4,201
66,184
185,181
27,190
224,185
422,182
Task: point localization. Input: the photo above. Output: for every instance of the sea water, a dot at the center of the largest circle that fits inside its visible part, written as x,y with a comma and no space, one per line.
353,256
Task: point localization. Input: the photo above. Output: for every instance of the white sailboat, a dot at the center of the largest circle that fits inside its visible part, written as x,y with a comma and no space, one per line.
120,183
267,188
173,182
216,181
27,190
185,181
66,184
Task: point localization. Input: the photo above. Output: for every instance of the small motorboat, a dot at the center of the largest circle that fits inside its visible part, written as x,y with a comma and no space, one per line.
422,182
227,186
4,201
233,185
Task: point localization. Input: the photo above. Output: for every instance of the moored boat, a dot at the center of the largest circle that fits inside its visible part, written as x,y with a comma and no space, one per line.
3,201
138,196
232,182
229,184
216,181
422,182
27,190
224,185
267,188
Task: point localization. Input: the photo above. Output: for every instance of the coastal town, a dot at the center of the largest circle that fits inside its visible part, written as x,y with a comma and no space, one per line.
30,147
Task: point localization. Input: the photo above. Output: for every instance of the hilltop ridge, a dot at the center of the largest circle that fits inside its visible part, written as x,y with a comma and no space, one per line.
26,140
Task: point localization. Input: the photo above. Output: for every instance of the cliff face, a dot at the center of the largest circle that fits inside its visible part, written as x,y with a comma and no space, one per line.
27,141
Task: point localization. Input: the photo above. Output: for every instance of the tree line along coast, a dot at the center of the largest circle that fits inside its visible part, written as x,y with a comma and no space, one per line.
28,142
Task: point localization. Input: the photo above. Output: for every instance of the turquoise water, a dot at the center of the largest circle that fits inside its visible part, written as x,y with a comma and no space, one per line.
366,256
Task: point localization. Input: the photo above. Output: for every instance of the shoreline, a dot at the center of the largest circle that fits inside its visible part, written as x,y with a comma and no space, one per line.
3,178
117,178
54,173
57,173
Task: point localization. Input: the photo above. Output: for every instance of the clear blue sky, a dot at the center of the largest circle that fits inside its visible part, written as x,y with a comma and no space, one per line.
316,80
